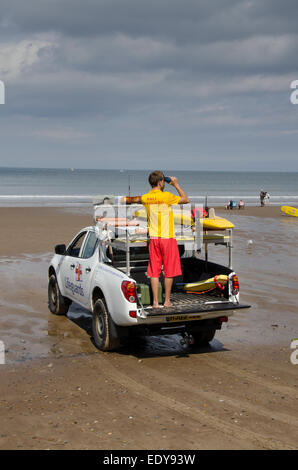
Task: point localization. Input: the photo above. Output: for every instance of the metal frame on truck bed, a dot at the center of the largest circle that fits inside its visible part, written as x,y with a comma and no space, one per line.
124,240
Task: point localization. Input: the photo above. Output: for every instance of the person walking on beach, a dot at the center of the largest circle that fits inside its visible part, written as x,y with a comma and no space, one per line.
262,197
163,248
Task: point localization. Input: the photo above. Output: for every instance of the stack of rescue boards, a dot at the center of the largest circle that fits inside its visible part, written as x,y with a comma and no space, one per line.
209,223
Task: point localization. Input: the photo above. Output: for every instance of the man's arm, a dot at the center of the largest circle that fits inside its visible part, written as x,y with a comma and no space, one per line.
183,196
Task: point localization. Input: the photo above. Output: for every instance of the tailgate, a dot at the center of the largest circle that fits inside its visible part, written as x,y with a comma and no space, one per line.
186,304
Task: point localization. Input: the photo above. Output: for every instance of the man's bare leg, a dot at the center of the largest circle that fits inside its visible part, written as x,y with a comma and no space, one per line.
168,288
154,285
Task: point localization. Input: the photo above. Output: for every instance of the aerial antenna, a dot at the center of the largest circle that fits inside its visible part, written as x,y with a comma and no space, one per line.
129,185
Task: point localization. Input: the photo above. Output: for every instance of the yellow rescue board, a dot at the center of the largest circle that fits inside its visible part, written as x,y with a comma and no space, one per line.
216,223
290,210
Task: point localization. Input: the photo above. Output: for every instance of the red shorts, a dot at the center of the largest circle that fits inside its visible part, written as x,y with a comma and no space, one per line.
164,252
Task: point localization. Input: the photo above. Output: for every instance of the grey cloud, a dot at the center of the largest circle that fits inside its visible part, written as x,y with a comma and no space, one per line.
122,53
189,21
171,74
72,17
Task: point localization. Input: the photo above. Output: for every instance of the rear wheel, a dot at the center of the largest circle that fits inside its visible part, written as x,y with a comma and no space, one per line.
58,304
104,330
203,338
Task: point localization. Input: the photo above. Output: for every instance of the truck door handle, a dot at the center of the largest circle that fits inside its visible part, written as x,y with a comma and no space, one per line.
72,266
88,270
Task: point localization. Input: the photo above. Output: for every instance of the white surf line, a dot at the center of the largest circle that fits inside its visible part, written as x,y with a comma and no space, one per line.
44,196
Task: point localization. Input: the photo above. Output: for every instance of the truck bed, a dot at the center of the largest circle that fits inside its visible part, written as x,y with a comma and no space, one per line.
193,270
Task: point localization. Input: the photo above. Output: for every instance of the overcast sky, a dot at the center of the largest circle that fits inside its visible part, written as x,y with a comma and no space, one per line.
190,84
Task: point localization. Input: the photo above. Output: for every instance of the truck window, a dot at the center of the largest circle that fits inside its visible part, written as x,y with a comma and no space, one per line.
75,247
89,246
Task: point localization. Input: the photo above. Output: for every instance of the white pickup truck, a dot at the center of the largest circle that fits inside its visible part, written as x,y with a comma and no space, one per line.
104,271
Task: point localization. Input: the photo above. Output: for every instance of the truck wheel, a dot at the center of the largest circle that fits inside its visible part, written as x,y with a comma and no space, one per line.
209,335
103,328
58,304
202,338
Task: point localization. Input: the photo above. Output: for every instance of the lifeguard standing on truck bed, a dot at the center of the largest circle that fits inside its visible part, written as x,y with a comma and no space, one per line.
163,248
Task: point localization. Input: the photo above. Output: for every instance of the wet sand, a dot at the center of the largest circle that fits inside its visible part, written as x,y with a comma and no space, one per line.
58,391
34,230
255,211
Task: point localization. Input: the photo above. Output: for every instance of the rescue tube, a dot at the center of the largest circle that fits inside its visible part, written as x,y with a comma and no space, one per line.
200,287
117,221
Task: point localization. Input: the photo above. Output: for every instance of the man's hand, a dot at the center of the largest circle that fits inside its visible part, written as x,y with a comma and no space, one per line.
183,197
174,181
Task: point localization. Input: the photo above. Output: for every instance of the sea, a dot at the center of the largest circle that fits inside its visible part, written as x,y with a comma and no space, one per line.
78,187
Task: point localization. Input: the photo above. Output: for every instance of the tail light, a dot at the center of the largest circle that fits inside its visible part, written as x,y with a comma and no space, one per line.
235,283
223,319
129,291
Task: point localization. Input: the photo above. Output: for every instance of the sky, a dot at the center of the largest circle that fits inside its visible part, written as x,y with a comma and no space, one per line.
193,84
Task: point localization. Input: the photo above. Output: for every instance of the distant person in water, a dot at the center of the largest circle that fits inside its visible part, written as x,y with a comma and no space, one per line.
231,205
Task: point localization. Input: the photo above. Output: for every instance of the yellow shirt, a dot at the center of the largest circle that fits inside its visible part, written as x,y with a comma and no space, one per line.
159,213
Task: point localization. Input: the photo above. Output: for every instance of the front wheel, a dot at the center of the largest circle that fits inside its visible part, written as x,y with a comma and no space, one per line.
58,304
104,330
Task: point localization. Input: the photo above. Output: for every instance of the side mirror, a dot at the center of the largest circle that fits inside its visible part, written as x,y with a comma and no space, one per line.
60,249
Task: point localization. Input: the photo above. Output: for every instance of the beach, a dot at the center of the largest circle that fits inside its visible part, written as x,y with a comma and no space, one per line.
57,391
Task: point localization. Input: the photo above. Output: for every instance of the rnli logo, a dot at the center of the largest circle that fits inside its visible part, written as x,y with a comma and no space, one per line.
79,272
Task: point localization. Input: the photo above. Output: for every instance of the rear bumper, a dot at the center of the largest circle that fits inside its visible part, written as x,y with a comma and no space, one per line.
183,322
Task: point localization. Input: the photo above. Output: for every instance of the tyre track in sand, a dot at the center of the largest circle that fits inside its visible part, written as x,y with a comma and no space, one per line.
210,395
232,430
245,374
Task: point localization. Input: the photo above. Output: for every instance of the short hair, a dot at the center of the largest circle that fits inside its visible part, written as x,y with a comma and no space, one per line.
155,177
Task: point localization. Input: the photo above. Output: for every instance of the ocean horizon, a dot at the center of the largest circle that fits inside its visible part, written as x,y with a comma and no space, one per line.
21,186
